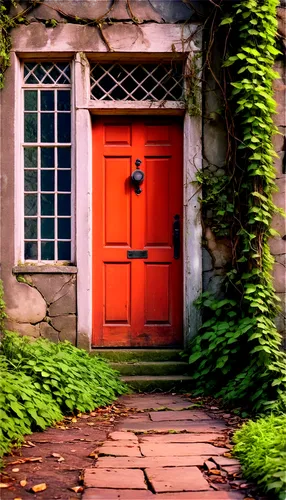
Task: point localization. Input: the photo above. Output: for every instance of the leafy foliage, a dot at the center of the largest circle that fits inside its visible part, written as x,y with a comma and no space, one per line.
237,354
41,381
261,449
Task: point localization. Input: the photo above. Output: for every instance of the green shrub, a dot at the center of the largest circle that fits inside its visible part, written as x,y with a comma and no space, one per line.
41,381
261,449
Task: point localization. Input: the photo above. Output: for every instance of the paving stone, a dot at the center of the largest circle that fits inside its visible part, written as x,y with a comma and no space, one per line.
143,462
177,479
179,438
115,478
161,416
122,435
143,402
184,425
203,495
106,494
119,451
180,449
225,461
122,443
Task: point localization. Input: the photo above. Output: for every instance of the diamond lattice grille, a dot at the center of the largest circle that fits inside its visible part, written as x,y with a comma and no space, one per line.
47,73
154,82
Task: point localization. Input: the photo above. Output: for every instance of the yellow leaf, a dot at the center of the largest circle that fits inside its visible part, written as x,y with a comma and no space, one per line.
15,470
56,455
4,485
23,482
74,419
77,489
39,487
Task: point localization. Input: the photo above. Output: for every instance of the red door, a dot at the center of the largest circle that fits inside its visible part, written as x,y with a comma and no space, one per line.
137,276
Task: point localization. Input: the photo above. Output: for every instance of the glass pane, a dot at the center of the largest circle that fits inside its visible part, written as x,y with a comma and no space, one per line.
30,127
30,99
47,204
47,228
47,250
64,99
31,250
64,229
64,250
47,157
31,180
64,180
31,229
47,180
47,100
30,158
64,127
64,157
47,127
30,204
64,204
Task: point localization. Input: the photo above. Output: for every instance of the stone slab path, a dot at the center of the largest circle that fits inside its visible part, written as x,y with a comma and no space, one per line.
170,449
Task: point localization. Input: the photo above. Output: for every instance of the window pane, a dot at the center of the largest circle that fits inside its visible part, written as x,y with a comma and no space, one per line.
64,127
64,250
30,100
31,180
64,100
47,180
64,229
30,127
47,250
30,158
64,157
47,100
47,204
31,230
47,157
31,250
47,229
47,127
64,180
31,204
64,204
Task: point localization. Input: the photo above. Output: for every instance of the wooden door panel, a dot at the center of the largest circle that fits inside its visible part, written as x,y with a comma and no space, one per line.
117,199
136,302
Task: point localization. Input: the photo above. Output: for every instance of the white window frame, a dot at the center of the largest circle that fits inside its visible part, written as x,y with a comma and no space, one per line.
20,217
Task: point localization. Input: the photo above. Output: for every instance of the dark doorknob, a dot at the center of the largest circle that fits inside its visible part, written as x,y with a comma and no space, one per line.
176,236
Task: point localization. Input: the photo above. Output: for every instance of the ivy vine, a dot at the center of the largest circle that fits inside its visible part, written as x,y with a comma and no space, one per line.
237,353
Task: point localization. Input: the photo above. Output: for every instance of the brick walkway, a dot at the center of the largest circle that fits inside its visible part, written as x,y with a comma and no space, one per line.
169,449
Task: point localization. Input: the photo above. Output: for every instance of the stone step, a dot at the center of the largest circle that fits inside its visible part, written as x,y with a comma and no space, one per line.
164,383
137,355
152,368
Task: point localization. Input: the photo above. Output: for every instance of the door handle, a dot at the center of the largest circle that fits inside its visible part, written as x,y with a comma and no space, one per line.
176,236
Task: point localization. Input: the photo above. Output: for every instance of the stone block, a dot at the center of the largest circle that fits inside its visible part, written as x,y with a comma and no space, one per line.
48,332
50,285
207,260
66,326
180,449
115,478
280,320
143,462
279,223
125,436
28,305
23,328
161,416
278,140
119,451
277,246
83,341
279,278
111,494
64,301
177,479
180,438
280,95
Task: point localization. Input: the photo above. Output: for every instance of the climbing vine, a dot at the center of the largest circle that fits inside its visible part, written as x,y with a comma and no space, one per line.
237,353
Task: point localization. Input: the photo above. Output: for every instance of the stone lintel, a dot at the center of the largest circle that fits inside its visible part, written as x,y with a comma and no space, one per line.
38,269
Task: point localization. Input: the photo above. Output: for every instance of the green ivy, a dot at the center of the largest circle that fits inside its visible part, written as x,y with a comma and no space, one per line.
237,352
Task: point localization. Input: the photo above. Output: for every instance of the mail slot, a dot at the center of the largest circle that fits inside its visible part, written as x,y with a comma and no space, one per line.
137,254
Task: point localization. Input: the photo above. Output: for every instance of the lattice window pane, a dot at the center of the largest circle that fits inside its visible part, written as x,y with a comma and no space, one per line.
47,162
143,82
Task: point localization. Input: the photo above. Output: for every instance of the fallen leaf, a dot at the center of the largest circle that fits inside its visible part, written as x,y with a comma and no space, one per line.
15,470
18,498
4,485
90,423
39,487
74,419
77,489
215,471
30,443
23,482
27,459
56,455
93,454
61,459
227,455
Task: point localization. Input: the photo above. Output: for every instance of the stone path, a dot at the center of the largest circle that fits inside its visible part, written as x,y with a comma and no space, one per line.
170,449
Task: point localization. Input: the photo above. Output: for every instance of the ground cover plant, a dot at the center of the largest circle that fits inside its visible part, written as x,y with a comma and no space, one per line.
41,381
261,448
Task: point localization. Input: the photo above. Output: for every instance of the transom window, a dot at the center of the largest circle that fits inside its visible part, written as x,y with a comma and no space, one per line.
142,82
47,162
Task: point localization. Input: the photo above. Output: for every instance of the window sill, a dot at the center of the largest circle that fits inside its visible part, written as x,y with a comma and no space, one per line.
44,268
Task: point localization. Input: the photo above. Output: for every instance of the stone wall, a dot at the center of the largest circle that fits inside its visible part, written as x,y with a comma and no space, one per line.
50,308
